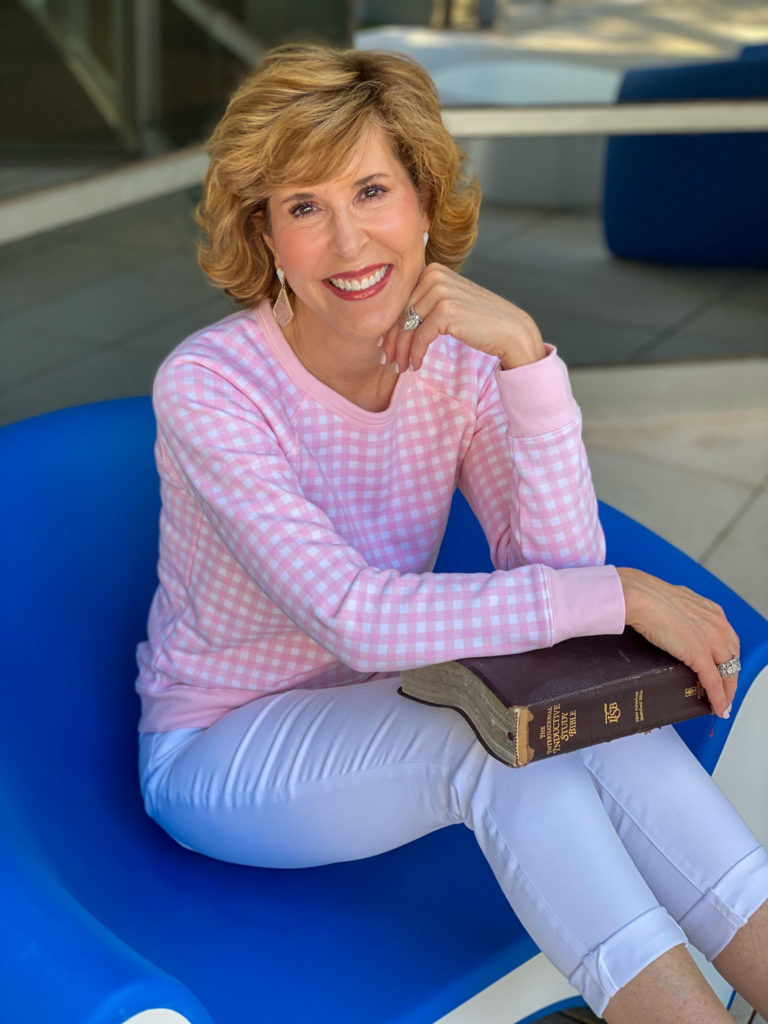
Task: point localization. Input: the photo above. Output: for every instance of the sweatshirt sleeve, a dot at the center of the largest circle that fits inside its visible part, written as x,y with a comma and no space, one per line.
527,477
216,444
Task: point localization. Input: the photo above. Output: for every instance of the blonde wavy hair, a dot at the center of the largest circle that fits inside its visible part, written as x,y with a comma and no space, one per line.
297,119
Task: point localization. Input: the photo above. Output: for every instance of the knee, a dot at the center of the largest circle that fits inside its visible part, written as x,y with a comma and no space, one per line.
723,910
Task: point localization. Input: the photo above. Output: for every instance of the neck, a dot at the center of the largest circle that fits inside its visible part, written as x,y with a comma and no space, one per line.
352,368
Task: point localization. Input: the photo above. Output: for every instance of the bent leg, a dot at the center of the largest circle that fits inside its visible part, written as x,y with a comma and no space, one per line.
309,777
565,872
689,843
312,777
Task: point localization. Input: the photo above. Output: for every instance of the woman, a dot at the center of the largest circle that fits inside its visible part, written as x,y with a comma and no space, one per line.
308,447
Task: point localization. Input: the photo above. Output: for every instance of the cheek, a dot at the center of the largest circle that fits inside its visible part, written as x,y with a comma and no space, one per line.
296,256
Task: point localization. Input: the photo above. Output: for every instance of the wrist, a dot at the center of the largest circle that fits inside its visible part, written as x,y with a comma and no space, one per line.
634,591
528,347
522,356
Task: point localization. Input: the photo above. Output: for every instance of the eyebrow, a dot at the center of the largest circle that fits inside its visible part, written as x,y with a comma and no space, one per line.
303,196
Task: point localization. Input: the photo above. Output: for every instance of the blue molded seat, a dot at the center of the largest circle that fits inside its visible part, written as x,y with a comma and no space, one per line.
696,199
103,915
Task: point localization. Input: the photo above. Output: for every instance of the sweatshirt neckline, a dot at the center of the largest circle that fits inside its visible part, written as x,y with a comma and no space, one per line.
331,400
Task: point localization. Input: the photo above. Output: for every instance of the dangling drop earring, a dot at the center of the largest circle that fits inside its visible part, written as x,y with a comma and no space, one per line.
426,239
282,307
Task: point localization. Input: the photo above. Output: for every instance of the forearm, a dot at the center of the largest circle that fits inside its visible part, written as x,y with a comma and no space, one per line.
529,479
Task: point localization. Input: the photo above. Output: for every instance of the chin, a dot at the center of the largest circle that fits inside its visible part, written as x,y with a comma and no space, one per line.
367,326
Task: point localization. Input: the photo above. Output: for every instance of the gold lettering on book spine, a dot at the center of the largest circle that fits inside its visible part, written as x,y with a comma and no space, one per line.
559,728
571,727
639,706
612,712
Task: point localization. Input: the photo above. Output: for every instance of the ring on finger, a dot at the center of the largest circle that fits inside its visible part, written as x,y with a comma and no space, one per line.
412,320
732,667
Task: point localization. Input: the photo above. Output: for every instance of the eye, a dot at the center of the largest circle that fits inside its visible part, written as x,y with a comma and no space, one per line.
301,209
374,191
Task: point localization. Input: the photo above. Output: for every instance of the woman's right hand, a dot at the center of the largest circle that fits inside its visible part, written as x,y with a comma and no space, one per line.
688,626
448,303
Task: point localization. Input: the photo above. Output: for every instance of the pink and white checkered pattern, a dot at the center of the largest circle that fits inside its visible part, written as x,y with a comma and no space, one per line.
298,530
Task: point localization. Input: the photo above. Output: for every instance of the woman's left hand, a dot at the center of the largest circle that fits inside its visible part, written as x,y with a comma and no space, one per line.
689,626
450,304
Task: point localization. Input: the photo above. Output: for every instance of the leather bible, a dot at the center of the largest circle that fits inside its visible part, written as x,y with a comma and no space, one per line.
587,690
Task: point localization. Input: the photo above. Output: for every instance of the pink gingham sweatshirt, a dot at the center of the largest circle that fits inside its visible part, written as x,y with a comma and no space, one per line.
298,530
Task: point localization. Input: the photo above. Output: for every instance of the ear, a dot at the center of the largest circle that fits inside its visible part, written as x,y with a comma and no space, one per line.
425,212
425,226
271,246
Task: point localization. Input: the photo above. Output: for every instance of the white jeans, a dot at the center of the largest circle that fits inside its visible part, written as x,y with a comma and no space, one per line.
609,856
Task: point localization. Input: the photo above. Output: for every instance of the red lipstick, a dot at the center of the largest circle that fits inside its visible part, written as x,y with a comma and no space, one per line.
352,295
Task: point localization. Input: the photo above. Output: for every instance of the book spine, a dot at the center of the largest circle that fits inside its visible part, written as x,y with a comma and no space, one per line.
602,714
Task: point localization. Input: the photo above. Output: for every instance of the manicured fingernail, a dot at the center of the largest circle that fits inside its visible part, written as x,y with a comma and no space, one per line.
411,367
727,712
397,367
380,342
383,358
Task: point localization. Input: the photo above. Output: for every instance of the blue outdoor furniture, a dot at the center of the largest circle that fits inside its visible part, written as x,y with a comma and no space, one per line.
697,199
103,916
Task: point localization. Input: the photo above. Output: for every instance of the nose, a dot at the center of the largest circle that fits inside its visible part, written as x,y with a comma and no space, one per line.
348,237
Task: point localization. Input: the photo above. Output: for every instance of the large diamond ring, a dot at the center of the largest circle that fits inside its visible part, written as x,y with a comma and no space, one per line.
412,320
732,667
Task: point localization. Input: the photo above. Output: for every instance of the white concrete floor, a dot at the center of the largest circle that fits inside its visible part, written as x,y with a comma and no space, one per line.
615,33
621,33
684,449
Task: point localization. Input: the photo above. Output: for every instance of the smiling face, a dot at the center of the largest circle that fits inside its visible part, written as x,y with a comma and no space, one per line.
351,247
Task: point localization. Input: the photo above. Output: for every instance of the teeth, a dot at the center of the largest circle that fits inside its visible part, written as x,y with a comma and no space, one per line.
358,285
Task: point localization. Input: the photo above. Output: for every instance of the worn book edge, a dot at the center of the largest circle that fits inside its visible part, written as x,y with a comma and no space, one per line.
505,732
507,725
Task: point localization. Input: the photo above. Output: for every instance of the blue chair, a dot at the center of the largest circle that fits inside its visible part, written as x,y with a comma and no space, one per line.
695,199
104,918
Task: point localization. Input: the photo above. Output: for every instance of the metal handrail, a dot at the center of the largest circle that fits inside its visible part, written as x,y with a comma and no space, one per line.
46,209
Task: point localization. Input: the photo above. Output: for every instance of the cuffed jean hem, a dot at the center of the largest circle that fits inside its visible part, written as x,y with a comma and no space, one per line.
712,922
615,962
